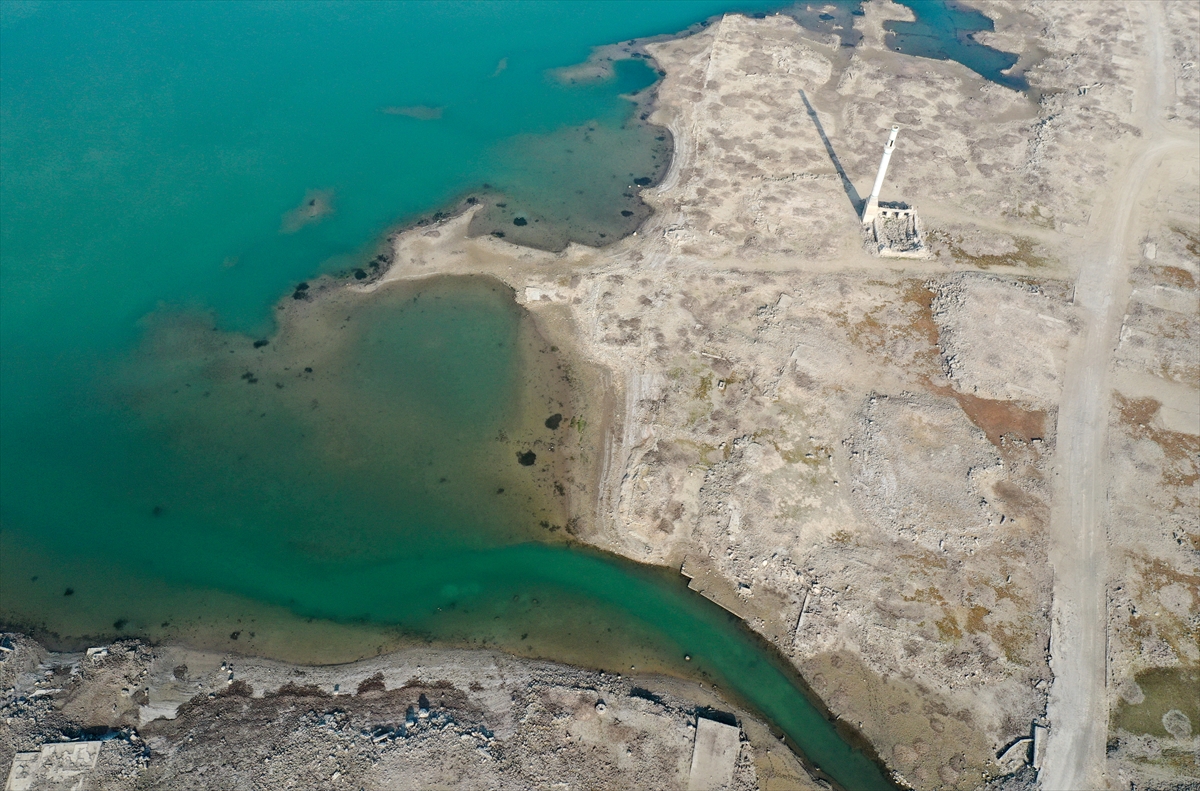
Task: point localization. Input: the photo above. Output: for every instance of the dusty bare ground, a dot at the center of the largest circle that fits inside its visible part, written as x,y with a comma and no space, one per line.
859,457
418,719
1152,511
863,458
1149,317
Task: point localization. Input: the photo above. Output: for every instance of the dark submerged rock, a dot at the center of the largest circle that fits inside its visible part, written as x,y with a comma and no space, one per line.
527,459
520,221
553,421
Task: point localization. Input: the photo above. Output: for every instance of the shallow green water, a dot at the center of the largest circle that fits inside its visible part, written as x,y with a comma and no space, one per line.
363,467
183,483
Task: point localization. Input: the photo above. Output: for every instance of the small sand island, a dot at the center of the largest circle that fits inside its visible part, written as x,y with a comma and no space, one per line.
937,444
316,206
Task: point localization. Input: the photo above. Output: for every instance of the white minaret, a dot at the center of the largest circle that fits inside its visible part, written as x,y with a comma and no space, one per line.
871,208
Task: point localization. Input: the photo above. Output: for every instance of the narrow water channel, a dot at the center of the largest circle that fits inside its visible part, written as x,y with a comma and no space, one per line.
184,458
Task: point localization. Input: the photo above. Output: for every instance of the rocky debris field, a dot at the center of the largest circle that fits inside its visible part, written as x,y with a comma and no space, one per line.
172,718
861,456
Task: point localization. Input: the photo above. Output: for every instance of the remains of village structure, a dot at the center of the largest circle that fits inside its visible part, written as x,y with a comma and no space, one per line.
892,229
56,765
714,755
418,719
954,477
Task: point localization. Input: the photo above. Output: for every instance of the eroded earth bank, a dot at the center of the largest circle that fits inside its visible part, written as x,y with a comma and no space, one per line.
959,491
174,718
864,456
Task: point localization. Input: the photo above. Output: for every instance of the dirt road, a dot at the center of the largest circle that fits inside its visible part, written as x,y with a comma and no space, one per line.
1078,707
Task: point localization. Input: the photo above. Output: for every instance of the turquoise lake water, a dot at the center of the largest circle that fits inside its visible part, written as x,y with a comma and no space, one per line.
327,494
945,30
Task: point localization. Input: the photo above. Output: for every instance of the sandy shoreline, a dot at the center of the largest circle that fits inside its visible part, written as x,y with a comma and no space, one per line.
861,457
749,287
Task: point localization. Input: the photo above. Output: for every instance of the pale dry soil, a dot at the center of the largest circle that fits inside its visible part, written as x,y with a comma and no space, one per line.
177,719
960,492
902,472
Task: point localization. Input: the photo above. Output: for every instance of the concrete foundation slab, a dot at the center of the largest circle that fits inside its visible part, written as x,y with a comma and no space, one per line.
61,767
714,755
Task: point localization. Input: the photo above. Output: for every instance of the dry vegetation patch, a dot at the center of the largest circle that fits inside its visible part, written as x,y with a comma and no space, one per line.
1180,452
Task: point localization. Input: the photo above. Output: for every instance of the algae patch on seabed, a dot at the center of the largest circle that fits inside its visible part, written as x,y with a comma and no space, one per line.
579,183
364,469
316,206
371,428
389,467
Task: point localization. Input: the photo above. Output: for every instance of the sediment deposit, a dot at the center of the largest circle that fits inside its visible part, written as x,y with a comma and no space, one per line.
863,457
922,478
171,718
